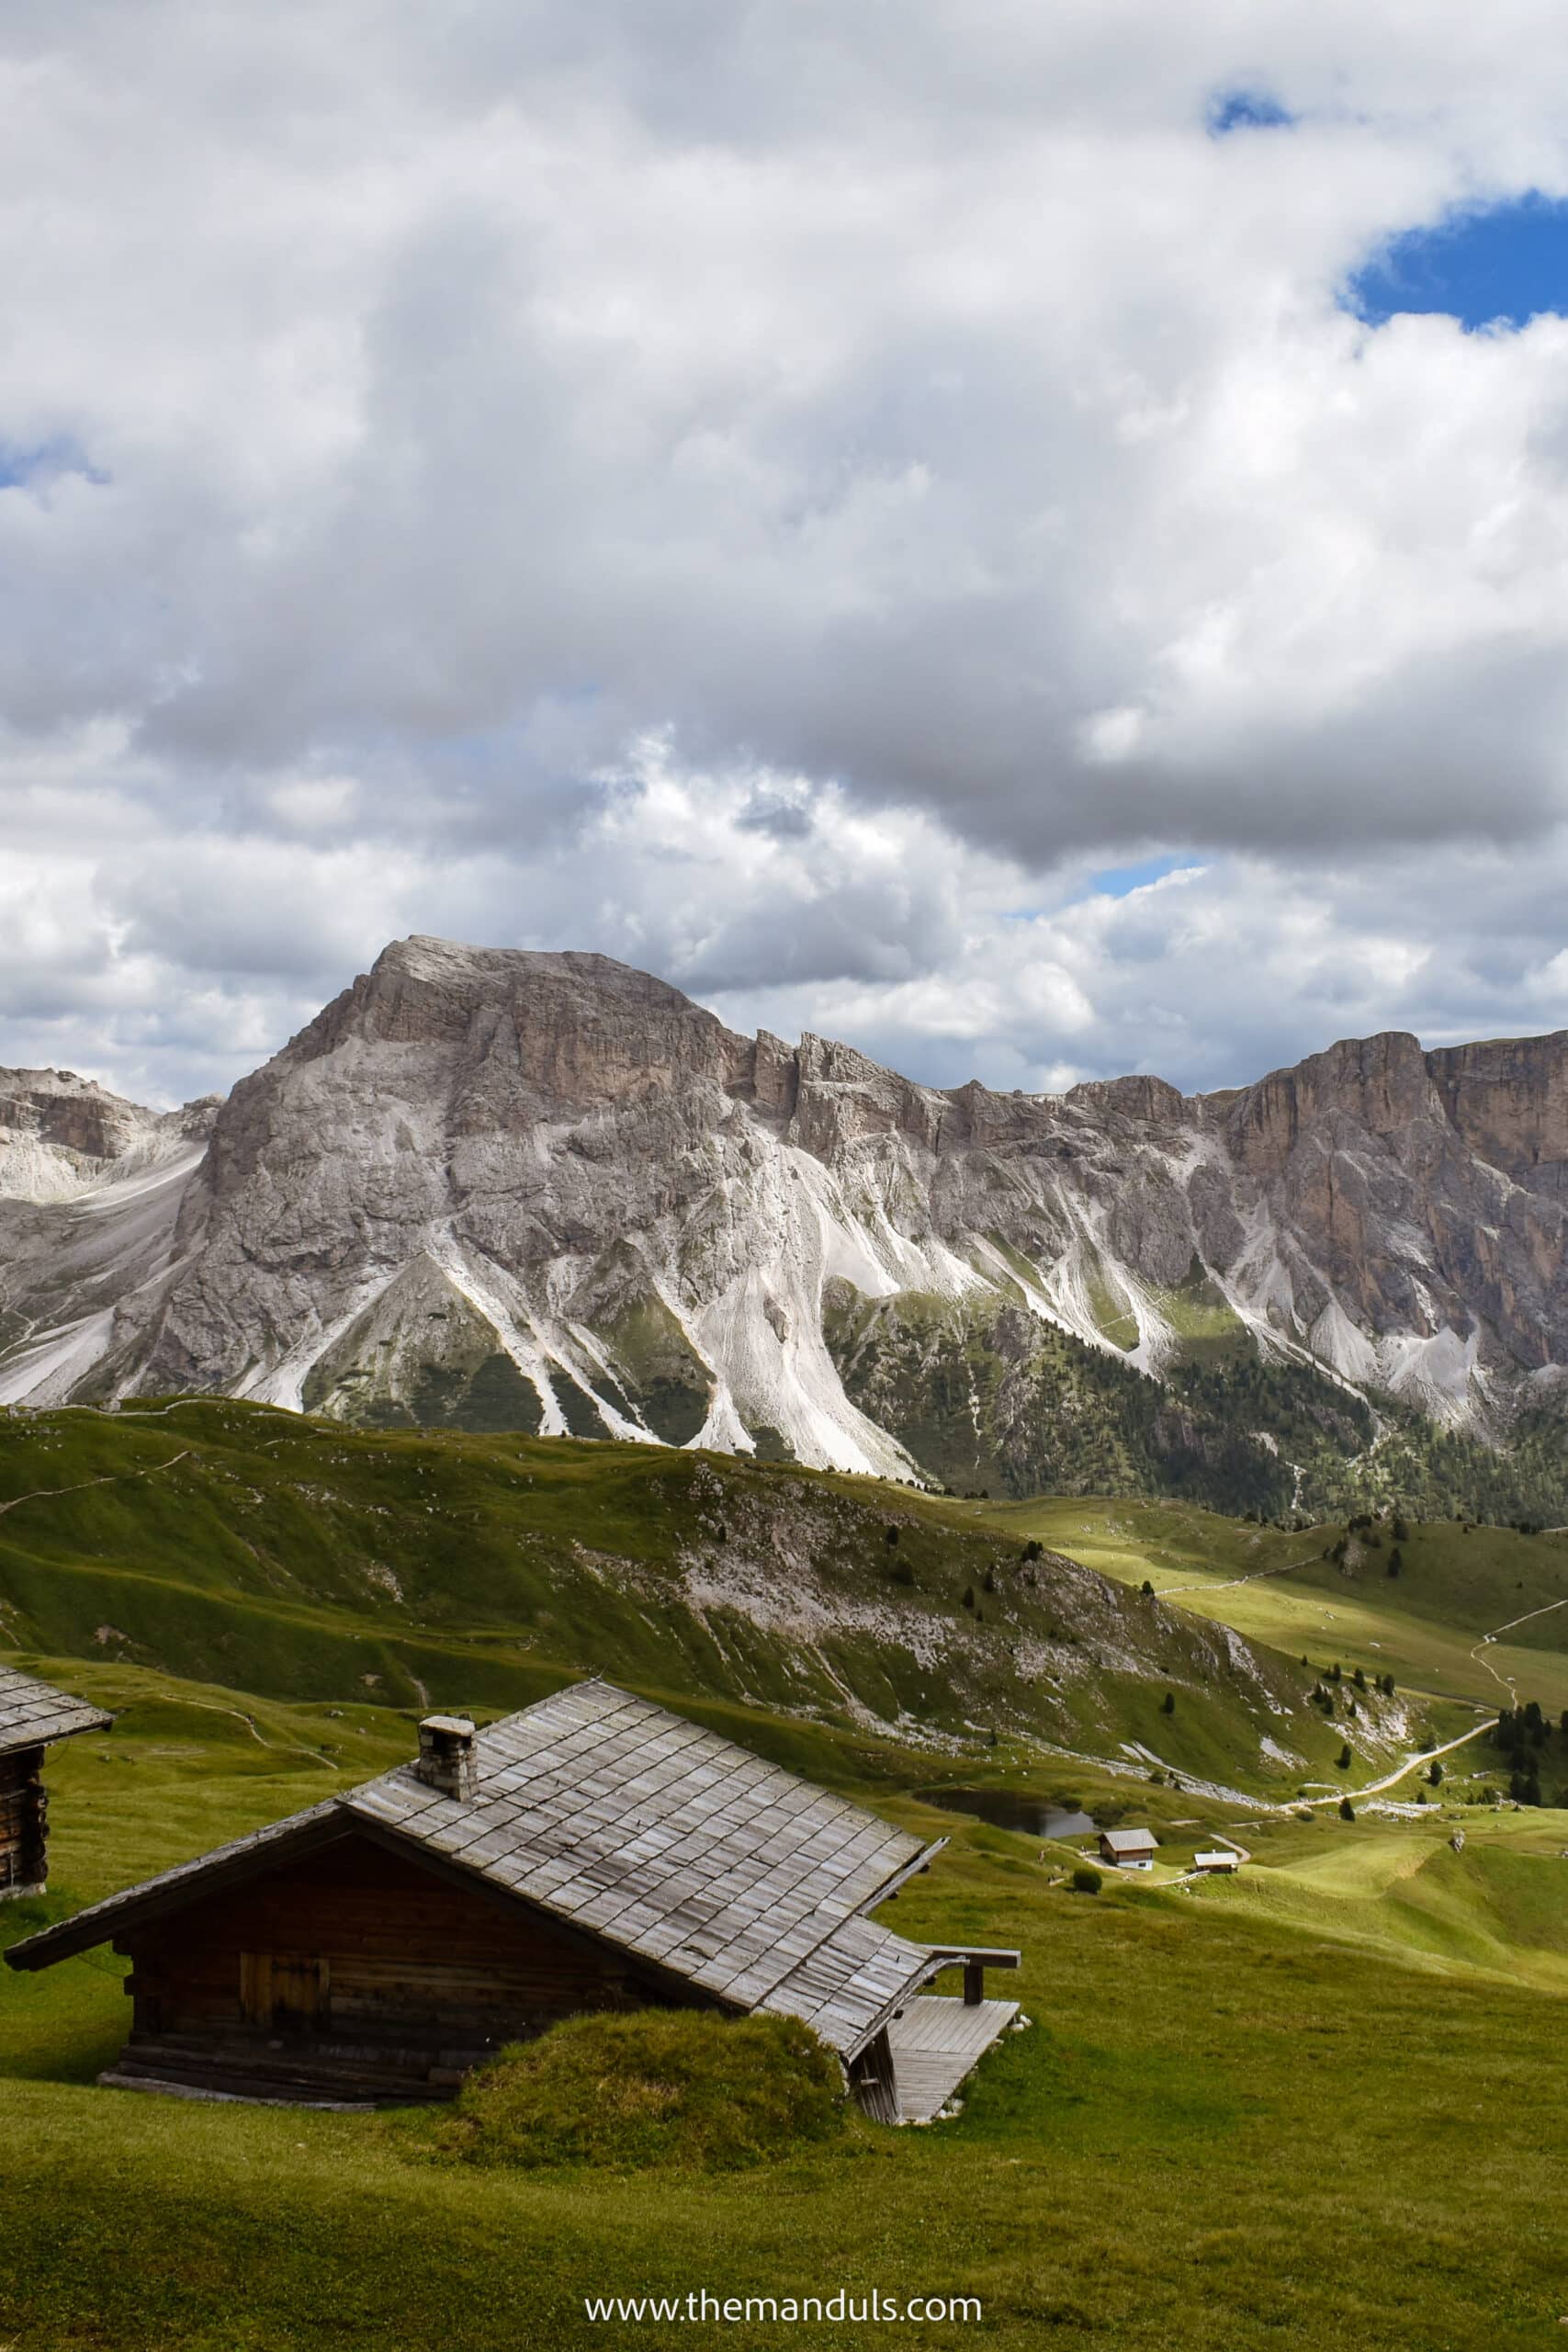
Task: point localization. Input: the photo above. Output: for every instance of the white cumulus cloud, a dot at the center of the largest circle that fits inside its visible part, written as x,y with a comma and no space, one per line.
788,495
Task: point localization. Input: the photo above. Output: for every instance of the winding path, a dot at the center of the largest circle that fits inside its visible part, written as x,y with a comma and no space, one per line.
1228,1584
1507,1681
1422,1756
110,1478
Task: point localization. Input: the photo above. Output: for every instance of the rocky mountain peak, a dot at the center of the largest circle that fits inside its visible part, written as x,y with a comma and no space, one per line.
548,1190
576,1027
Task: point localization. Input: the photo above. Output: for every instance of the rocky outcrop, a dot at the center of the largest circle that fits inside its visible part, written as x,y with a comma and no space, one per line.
1507,1101
90,1189
62,1135
524,1189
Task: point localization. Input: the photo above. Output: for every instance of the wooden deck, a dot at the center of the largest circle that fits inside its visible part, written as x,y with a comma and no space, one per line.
937,2044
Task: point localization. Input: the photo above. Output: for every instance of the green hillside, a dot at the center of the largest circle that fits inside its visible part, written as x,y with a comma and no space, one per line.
1475,1613
1500,1903
232,1544
991,1397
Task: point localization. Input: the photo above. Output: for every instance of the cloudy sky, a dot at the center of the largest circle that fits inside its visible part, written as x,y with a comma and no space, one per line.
1029,537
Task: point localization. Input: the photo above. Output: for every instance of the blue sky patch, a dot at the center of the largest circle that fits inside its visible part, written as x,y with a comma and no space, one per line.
25,466
1246,110
1509,262
1116,881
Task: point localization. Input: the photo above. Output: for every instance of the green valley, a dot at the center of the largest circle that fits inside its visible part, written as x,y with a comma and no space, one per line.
1435,1624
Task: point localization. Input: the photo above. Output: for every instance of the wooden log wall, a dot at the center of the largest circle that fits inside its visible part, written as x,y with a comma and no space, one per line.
356,1965
24,1820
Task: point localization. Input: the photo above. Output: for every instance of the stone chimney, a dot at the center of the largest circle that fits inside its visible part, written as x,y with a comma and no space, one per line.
446,1756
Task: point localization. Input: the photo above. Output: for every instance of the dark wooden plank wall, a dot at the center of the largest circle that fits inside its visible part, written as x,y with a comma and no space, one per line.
374,1962
23,1819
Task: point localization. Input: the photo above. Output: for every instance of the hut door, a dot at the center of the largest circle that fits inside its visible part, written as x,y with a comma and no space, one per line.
283,1990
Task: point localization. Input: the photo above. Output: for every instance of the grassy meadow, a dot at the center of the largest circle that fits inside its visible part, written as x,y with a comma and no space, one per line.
1244,2115
1316,2104
1428,1626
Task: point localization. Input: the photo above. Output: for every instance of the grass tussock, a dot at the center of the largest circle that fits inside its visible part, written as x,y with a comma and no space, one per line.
662,2088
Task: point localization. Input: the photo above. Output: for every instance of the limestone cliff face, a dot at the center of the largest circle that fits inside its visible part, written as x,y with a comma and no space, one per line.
548,1191
1418,1194
61,1134
90,1189
1507,1101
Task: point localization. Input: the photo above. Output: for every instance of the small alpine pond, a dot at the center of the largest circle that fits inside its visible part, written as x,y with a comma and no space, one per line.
1012,1809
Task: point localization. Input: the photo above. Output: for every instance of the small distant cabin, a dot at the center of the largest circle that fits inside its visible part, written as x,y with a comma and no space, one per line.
1220,1862
1128,1849
591,1853
33,1715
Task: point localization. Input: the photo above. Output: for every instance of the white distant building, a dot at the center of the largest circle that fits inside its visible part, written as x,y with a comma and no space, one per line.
1218,1863
1128,1849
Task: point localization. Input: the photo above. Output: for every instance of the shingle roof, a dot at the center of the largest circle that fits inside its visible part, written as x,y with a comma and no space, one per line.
846,1987
32,1712
1130,1841
668,1842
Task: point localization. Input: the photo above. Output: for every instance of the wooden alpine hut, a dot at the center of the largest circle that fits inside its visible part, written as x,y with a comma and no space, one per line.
592,1852
32,1717
1128,1849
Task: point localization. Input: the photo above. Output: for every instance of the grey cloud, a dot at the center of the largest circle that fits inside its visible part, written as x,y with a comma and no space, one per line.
921,432
770,812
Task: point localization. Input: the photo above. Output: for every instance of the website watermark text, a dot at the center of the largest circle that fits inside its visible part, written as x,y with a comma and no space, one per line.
846,2303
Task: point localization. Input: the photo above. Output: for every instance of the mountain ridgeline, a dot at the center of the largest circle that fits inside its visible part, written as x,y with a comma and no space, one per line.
496,1190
